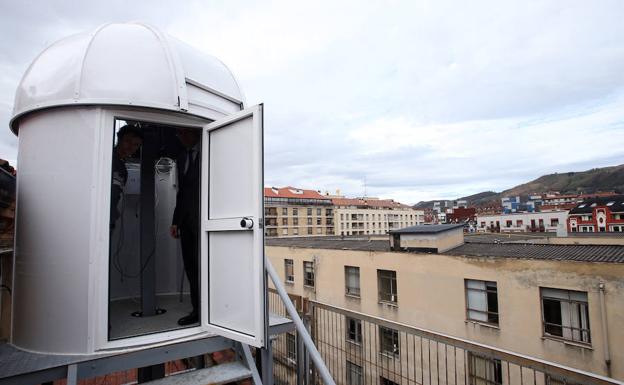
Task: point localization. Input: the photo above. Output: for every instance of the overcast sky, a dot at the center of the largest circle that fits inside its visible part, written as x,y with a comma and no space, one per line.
415,100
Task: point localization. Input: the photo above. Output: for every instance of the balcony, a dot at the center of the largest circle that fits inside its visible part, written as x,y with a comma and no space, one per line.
362,349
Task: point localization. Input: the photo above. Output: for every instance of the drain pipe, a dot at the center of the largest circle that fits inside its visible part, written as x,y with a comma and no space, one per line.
605,331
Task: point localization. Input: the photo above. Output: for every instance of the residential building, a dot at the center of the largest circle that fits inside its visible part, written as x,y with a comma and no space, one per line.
462,215
291,211
370,216
546,221
510,204
553,304
556,201
597,215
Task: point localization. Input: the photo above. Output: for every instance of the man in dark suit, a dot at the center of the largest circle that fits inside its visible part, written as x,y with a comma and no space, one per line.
185,223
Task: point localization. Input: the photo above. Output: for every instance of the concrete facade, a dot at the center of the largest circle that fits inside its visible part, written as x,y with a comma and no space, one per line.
373,216
432,295
290,211
545,221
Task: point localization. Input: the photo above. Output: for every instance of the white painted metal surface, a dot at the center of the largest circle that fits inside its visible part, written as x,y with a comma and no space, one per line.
129,64
51,285
65,110
232,200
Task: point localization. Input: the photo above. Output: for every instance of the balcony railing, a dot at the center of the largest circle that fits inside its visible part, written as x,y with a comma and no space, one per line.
362,349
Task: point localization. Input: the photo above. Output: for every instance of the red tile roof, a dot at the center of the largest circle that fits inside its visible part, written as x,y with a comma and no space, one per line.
292,192
378,203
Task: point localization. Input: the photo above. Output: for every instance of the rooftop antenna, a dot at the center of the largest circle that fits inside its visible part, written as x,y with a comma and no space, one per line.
365,192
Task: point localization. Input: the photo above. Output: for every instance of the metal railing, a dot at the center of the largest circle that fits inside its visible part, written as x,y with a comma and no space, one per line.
360,349
303,336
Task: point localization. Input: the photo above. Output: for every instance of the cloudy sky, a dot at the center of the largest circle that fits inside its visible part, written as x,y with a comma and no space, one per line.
411,100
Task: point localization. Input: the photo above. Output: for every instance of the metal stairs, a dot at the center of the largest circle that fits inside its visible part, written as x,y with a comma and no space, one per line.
242,368
218,374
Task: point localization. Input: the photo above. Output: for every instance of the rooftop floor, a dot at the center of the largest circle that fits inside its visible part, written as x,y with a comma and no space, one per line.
495,245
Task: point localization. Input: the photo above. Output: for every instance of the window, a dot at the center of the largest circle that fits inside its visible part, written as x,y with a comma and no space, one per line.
388,341
309,231
309,211
565,314
284,221
285,211
354,374
386,281
295,231
354,330
318,221
352,281
319,230
296,221
481,301
508,223
291,347
484,371
285,232
384,381
554,222
342,217
289,270
318,212
519,223
308,273
295,212
309,221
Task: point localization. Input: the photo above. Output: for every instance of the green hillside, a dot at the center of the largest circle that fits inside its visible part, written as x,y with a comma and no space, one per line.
587,182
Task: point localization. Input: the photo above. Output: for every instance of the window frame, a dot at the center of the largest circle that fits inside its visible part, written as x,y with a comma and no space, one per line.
347,291
291,354
487,312
292,269
306,279
348,367
358,330
393,279
474,379
580,329
396,348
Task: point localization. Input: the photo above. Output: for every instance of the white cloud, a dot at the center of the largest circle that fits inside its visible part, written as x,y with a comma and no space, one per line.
422,99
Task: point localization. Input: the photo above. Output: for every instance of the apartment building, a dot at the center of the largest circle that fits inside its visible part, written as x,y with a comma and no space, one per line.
370,216
568,201
544,221
598,215
379,315
291,211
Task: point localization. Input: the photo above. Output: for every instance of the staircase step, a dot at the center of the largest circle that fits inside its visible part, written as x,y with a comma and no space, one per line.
218,374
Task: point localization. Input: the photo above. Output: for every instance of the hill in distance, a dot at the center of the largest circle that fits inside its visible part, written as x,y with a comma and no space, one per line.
585,182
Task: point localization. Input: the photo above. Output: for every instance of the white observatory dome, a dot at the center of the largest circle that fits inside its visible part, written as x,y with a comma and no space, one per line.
129,64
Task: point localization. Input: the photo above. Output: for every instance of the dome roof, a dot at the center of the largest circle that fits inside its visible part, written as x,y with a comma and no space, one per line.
125,64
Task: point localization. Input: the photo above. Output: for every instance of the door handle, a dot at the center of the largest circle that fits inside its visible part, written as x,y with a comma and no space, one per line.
246,223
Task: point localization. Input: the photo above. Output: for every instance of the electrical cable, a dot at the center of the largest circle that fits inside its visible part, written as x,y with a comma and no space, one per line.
117,257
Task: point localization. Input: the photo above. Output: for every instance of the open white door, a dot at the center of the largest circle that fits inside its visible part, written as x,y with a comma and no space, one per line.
232,242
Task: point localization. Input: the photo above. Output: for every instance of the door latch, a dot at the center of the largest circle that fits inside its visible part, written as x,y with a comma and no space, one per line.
246,223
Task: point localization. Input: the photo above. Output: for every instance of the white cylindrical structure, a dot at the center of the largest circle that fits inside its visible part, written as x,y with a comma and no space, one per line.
64,112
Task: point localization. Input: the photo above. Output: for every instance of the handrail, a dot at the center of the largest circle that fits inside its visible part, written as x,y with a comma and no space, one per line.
577,375
303,332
